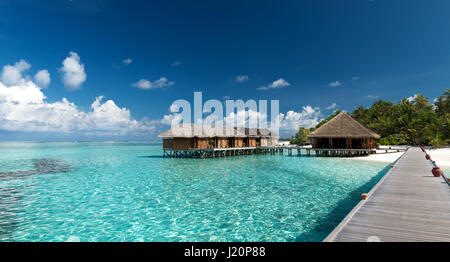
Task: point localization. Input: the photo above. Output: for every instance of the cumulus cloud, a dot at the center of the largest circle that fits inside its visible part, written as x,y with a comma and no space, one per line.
23,107
170,118
12,74
160,83
291,121
176,63
127,61
174,117
335,83
332,106
23,93
245,118
42,78
241,79
280,83
173,108
73,72
356,78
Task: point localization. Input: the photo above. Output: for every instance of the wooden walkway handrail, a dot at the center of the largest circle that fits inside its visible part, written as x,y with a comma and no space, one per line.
443,174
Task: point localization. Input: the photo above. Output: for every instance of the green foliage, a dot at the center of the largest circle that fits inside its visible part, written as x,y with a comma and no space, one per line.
383,141
300,137
408,122
394,139
437,142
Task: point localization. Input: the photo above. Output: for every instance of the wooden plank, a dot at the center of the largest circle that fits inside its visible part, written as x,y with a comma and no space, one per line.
408,204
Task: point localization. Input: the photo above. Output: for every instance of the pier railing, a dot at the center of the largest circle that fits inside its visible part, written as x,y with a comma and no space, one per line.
446,179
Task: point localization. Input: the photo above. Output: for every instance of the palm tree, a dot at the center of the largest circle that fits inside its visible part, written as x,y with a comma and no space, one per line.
420,102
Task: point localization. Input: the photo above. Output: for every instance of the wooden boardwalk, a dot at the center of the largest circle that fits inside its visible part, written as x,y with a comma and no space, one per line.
408,204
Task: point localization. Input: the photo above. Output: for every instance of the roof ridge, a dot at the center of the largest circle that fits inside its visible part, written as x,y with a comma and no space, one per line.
349,128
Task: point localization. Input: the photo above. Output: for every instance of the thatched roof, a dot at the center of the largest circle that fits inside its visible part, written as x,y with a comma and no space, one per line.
343,125
187,130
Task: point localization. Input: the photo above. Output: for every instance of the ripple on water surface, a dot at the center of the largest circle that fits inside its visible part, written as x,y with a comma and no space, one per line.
128,192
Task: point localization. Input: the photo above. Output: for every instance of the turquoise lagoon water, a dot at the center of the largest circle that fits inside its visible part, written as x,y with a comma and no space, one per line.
129,192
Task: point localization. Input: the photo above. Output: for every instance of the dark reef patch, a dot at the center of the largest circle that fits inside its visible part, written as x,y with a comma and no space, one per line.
41,166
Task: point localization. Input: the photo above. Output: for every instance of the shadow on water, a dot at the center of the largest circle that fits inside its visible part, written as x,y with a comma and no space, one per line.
11,197
326,224
41,166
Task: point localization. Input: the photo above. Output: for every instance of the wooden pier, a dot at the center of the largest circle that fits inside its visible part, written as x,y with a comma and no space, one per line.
408,204
289,150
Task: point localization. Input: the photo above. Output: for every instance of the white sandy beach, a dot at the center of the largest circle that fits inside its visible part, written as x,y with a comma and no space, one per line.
380,156
441,156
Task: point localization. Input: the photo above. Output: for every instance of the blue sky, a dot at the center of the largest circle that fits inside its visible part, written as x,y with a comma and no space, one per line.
342,53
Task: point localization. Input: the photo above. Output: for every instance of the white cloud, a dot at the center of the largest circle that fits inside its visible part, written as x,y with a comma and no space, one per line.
335,83
372,96
173,108
291,121
160,83
167,119
356,78
12,75
245,118
42,78
280,83
174,115
73,72
332,106
176,63
23,107
241,79
142,84
23,93
412,98
127,61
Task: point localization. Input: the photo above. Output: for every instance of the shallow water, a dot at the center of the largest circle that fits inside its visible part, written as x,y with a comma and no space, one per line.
129,192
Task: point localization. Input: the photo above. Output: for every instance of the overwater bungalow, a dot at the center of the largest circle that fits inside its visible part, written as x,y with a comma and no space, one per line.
183,140
343,132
